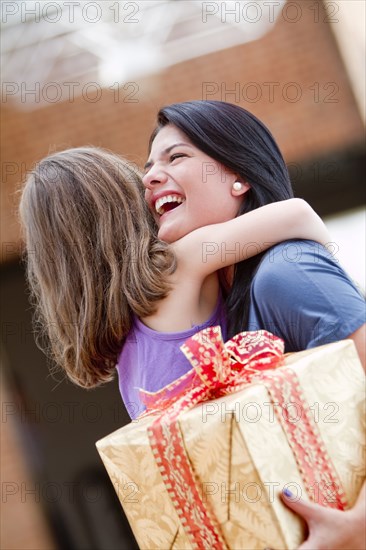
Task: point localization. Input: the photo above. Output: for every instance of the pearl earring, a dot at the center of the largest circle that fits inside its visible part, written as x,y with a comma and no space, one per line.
237,186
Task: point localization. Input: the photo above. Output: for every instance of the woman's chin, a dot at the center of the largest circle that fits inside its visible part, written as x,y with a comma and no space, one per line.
165,235
169,234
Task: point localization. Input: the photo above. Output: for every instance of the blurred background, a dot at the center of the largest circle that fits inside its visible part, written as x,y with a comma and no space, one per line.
80,72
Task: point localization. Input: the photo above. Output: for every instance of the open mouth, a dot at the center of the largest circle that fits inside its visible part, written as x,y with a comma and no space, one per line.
168,203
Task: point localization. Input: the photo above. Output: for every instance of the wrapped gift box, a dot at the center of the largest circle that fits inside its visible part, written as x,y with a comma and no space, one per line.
242,458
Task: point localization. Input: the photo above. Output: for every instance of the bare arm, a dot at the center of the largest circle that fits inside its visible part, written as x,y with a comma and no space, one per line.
213,247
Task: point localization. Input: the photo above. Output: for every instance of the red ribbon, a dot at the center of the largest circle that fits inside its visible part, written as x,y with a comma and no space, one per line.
220,369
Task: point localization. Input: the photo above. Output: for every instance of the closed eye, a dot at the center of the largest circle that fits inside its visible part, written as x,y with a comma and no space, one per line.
176,156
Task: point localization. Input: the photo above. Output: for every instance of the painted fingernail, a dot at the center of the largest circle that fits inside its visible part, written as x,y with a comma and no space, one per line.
287,493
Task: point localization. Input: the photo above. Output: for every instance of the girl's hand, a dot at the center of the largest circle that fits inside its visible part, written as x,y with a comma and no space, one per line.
331,529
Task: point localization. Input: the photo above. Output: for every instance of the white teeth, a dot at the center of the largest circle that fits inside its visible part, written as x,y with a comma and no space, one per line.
168,198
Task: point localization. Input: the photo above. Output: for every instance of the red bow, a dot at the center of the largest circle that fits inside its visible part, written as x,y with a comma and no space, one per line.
218,368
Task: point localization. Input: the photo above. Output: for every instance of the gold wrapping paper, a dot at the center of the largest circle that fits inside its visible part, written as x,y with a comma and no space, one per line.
242,458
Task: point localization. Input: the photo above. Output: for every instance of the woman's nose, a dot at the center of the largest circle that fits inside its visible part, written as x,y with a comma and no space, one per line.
153,177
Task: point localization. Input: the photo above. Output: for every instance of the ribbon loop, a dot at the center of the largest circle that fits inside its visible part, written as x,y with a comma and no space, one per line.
209,357
218,368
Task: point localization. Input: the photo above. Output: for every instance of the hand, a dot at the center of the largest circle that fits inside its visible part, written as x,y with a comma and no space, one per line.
331,529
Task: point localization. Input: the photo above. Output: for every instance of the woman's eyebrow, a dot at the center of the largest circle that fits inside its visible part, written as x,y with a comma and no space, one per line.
166,151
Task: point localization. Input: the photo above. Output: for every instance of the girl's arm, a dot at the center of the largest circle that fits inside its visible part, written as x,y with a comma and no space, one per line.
213,247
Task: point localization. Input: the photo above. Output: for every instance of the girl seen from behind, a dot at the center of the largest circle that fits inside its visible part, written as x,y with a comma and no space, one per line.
96,266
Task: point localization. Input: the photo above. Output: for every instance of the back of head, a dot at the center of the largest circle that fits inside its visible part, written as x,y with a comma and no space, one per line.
89,237
237,139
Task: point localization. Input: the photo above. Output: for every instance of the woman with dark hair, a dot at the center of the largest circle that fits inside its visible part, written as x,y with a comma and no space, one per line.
98,273
307,301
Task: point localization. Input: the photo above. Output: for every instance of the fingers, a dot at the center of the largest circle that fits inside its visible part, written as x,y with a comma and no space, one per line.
327,527
307,510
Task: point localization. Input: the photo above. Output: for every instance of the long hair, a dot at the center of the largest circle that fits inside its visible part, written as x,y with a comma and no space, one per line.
238,140
93,258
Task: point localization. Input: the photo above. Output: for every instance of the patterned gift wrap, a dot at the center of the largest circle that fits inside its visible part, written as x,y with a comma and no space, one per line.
203,468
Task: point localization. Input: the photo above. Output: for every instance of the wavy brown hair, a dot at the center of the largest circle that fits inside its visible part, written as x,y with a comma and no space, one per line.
93,258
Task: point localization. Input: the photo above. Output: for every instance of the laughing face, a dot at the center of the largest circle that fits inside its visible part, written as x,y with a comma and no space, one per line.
185,188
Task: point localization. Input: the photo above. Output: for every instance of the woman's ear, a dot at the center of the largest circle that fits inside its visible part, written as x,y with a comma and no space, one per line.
239,188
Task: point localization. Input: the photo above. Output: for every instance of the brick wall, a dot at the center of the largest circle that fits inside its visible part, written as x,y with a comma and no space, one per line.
309,105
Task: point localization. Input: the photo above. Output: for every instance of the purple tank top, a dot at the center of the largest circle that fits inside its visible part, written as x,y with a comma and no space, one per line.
150,360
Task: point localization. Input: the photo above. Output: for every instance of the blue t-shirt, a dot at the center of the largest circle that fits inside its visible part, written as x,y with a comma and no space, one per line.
302,294
299,292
